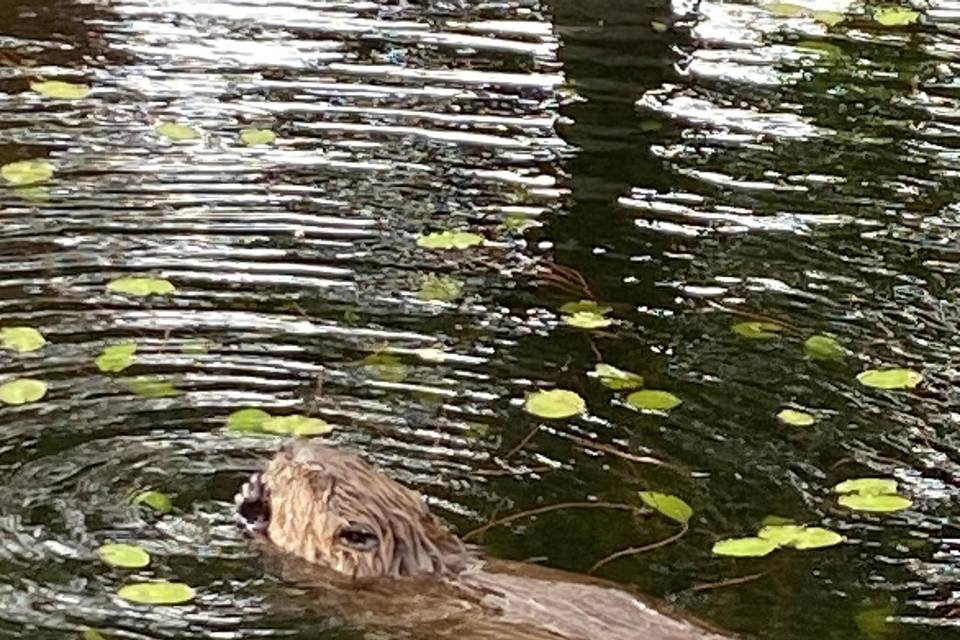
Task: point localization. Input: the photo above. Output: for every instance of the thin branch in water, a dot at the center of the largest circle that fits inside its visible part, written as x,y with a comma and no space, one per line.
527,438
553,507
632,551
729,582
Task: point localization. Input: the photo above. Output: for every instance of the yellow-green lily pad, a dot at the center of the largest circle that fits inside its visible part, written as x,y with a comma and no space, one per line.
26,172
796,418
449,240
785,9
868,486
21,339
440,287
156,500
613,378
895,16
781,534
829,18
587,320
890,378
816,538
585,306
253,136
151,387
22,391
554,404
247,419
141,286
116,357
296,425
879,504
60,90
669,505
126,556
161,592
653,400
756,330
744,547
175,131
823,347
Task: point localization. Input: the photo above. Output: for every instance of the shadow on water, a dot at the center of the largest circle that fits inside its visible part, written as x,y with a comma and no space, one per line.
697,165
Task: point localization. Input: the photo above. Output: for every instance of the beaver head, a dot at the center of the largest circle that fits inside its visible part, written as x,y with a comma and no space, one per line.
331,508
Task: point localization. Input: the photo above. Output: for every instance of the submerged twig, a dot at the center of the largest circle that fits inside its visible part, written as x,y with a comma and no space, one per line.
553,507
527,438
729,582
632,551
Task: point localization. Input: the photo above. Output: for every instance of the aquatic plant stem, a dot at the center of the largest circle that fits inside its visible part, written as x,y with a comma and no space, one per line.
632,551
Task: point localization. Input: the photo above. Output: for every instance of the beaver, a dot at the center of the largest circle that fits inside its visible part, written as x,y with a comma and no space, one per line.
387,561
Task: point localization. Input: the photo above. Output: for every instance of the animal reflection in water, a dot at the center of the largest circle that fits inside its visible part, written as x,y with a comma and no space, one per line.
378,556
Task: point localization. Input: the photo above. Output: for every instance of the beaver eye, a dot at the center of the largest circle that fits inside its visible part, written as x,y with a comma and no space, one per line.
359,537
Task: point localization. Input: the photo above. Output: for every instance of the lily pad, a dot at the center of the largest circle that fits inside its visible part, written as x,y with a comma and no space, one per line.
829,18
449,240
555,404
782,534
585,306
25,172
895,16
776,521
141,286
744,547
440,287
868,486
817,538
880,504
116,357
21,339
156,500
386,366
796,418
161,592
669,505
61,90
757,330
823,347
247,419
890,378
617,379
22,391
653,400
126,556
253,136
785,9
151,387
175,131
587,320
296,425
658,27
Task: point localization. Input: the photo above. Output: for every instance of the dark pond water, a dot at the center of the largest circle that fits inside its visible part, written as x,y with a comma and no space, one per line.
739,165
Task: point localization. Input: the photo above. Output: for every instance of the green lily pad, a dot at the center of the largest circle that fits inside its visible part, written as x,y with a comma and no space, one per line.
161,592
880,504
247,420
141,286
796,418
653,400
151,387
449,240
25,172
658,27
890,378
829,18
554,404
744,547
126,556
823,347
115,357
38,194
817,538
776,521
617,379
669,505
61,90
22,391
785,9
895,16
296,425
587,320
156,500
253,136
21,339
385,366
585,306
757,330
868,486
781,534
175,131
440,287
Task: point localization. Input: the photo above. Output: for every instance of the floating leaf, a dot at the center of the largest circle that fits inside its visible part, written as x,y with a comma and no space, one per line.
785,9
126,556
669,505
92,634
141,286
33,194
868,486
22,339
22,391
385,366
587,320
757,330
614,378
585,306
895,16
890,378
881,504
253,136
157,593
296,425
653,400
151,386
776,521
823,347
26,172
440,287
247,419
744,547
796,418
156,500
61,90
658,27
554,404
817,538
176,131
449,240
116,357
829,18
